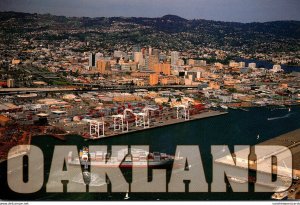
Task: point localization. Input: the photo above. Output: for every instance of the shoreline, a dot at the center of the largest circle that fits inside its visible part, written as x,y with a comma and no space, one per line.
203,115
170,122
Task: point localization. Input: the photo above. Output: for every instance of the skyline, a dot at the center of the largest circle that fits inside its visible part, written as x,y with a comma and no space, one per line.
229,10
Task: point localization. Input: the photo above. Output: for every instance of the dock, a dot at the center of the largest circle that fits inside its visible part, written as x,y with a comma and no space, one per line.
165,123
290,140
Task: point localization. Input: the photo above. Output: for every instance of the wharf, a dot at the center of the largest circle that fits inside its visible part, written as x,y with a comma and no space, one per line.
164,123
290,140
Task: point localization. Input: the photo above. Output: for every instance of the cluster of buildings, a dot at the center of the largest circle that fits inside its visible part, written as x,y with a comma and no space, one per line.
63,113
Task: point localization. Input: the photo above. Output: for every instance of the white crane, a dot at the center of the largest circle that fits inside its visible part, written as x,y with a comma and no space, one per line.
185,109
95,131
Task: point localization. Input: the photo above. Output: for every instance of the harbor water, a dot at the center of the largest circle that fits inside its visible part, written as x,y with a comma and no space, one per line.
238,127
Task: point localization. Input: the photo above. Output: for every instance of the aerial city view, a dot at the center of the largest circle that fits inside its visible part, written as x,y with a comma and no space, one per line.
190,100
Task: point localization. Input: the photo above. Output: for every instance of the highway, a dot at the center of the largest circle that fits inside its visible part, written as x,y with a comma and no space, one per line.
88,87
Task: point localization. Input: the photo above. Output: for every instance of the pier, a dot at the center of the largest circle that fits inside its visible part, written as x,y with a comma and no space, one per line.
290,140
163,123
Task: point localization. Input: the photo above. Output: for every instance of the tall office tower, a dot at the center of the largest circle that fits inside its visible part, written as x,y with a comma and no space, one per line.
103,66
144,51
138,58
153,59
92,61
155,52
98,56
174,57
164,68
150,51
146,62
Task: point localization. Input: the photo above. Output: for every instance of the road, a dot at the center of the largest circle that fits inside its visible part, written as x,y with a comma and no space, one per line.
86,87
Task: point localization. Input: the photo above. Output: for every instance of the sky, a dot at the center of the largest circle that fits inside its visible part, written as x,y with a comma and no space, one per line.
221,10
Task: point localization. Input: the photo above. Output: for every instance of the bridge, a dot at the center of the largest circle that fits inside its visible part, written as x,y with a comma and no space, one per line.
128,86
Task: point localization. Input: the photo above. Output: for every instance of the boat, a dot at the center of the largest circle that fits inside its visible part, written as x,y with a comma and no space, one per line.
140,157
126,196
244,109
224,107
281,117
213,104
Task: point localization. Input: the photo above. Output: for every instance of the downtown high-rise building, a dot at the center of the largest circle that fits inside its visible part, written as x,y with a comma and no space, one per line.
153,59
92,61
138,58
174,57
98,56
93,58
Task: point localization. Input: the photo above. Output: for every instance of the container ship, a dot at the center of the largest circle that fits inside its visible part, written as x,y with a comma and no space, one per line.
140,157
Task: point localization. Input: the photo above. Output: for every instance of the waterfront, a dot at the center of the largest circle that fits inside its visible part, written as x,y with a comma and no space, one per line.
236,128
269,65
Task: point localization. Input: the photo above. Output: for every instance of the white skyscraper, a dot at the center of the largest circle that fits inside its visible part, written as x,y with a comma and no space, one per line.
92,60
138,58
150,51
174,57
98,56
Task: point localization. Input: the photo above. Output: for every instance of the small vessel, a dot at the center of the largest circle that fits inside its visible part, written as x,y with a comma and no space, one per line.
277,118
258,136
213,104
126,196
290,109
224,107
244,109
